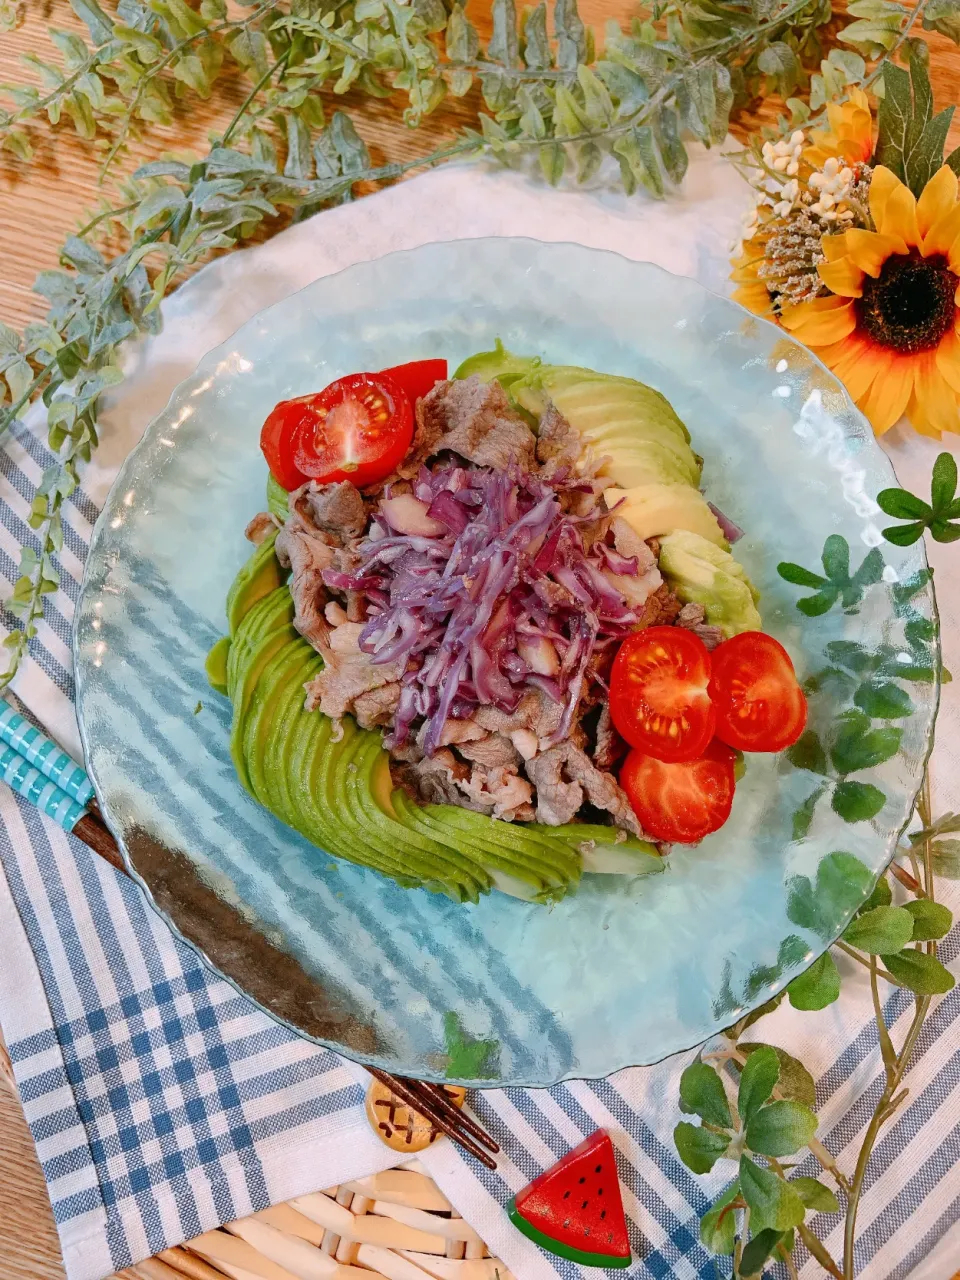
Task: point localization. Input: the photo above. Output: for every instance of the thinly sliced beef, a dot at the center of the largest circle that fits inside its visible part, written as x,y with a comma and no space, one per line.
336,509
260,528
693,618
453,733
535,712
499,791
434,779
493,751
303,550
376,706
473,419
565,774
610,746
637,589
348,673
558,443
661,609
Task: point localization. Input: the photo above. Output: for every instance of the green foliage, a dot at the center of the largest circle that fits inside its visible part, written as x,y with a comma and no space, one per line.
718,1227
702,1093
839,583
699,1148
758,1079
468,1059
794,1080
842,883
922,973
940,514
911,137
817,986
880,930
931,920
773,1203
815,1195
780,1128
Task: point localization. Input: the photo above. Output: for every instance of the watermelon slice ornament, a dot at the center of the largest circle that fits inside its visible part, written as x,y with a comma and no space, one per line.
574,1209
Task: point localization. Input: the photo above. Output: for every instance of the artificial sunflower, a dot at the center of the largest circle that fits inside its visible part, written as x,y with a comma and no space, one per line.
888,327
849,138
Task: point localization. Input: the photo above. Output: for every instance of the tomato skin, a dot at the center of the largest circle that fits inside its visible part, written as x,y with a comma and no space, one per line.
357,429
277,440
418,377
681,803
659,698
759,703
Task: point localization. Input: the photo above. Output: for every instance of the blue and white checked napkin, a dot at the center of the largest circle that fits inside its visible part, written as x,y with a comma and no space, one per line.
162,1103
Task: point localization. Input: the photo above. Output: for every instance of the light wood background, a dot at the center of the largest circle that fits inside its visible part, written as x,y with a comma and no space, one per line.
42,203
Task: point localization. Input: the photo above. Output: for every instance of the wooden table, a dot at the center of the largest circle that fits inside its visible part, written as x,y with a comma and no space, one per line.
38,207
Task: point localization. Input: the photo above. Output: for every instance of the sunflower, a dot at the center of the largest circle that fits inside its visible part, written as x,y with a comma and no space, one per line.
888,328
850,136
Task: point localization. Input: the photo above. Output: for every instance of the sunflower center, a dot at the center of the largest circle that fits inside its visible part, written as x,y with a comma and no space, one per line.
910,305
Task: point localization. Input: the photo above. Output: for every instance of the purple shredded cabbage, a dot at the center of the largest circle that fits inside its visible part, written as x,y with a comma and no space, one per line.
509,568
732,532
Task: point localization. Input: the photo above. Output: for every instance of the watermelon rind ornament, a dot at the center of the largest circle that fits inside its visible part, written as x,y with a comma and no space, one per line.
574,1209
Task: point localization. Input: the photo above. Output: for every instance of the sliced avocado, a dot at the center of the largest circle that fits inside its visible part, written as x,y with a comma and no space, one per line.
499,364
632,858
655,510
277,498
272,637
261,619
577,390
700,572
216,665
257,578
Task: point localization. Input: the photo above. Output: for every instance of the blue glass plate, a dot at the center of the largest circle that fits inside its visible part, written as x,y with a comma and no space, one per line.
626,971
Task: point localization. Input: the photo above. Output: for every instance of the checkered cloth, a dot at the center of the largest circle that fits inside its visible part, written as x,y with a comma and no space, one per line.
163,1103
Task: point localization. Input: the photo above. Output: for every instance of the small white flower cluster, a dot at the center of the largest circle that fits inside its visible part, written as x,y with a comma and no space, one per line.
833,184
784,156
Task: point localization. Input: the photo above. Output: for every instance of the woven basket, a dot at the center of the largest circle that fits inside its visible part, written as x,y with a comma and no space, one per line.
396,1224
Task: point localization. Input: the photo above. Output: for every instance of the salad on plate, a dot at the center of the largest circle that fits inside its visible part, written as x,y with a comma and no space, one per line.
492,634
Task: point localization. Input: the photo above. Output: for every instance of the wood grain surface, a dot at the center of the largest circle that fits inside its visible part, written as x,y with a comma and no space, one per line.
42,203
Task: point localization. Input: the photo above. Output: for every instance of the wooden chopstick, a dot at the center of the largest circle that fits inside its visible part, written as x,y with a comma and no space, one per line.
429,1099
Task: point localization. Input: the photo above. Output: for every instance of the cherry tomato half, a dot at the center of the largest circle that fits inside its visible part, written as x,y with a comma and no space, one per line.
418,377
759,704
659,697
681,803
278,440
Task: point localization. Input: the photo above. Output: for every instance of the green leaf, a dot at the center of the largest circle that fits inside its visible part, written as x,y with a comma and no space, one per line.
857,801
943,482
880,931
553,159
468,1059
817,987
571,35
795,1080
504,44
882,896
757,1250
779,62
803,815
702,1093
836,558
815,606
946,859
799,576
98,24
902,505
842,884
536,45
718,1226
931,920
944,531
926,156
781,1128
943,16
857,746
904,535
698,1148
164,200
808,753
921,973
757,1080
883,701
815,1195
773,1202
638,157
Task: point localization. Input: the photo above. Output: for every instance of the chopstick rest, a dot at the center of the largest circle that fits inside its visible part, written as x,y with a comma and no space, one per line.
35,747
26,780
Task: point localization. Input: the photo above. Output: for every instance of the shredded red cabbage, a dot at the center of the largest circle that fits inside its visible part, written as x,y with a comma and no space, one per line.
732,532
510,569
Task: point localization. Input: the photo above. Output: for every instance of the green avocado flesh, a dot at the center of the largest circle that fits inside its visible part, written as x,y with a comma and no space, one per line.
613,1262
700,572
333,784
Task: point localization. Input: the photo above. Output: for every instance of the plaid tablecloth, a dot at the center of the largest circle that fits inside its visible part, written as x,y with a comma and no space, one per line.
163,1103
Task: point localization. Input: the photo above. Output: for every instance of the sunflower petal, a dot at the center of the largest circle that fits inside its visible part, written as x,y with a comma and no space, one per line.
939,197
869,250
948,359
943,233
882,186
936,400
820,327
834,247
755,298
899,217
843,277
856,363
890,392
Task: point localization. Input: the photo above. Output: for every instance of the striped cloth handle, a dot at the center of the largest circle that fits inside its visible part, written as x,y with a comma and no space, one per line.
21,776
37,749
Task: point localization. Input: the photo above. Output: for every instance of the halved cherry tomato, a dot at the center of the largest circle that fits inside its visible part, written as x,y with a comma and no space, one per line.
659,696
418,377
680,803
278,439
760,706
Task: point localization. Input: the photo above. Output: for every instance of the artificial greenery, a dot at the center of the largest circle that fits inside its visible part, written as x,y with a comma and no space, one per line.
938,515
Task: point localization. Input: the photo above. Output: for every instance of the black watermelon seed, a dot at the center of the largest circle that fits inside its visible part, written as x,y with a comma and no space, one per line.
583,1179
603,1214
566,1195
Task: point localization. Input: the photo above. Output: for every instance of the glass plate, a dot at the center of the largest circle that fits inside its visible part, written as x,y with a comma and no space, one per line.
625,971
